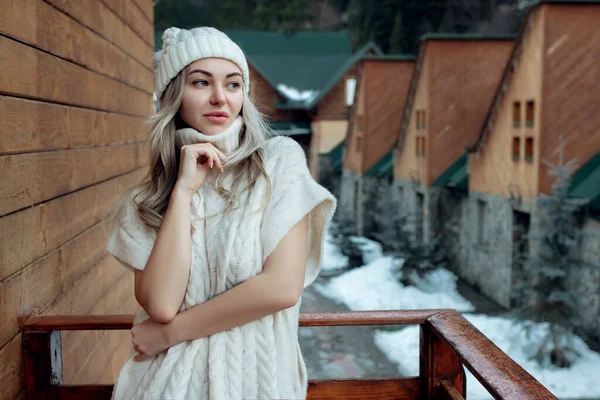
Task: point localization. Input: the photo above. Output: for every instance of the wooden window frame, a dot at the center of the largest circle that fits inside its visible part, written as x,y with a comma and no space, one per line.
529,113
516,114
529,148
516,148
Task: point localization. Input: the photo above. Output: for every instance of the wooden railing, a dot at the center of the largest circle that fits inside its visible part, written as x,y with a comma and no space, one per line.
448,343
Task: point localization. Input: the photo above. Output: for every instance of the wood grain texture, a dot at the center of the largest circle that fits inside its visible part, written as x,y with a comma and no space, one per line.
30,125
12,376
147,8
570,98
37,177
38,23
264,97
31,73
96,16
492,169
133,16
464,78
27,235
332,106
367,389
407,165
385,98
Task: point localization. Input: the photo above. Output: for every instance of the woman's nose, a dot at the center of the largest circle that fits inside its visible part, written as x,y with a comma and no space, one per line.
218,96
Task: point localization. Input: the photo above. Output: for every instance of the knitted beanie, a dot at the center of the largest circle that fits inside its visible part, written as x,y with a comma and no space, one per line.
182,47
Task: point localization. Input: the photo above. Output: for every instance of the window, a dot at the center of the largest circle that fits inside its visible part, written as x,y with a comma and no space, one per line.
419,222
482,223
418,146
423,125
350,89
516,148
529,149
418,119
423,146
517,113
529,113
358,143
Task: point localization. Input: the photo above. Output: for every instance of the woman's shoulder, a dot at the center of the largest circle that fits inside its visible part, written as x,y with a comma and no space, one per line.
282,149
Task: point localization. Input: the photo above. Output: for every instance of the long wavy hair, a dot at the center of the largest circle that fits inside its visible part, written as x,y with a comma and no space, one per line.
245,165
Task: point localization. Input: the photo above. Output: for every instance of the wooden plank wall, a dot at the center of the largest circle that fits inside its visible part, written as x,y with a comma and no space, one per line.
465,75
570,85
75,88
264,97
407,165
387,88
492,169
352,153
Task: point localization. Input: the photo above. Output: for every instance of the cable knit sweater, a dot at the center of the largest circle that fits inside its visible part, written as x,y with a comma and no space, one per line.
261,359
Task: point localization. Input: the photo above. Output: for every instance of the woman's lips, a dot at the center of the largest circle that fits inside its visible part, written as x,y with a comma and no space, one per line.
216,119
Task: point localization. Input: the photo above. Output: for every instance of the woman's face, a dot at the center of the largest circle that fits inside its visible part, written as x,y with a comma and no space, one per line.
212,96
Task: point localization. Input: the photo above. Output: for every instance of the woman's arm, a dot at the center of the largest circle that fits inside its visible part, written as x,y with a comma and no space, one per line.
160,287
276,288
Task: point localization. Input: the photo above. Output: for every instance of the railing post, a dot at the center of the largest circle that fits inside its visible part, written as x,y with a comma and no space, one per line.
438,362
42,360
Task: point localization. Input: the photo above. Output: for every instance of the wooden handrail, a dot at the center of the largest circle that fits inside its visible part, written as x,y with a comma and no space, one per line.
447,342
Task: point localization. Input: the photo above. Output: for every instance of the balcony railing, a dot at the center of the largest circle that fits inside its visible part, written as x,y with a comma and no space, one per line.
448,343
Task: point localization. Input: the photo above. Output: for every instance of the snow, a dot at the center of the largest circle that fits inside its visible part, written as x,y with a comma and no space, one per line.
375,286
379,289
333,259
293,94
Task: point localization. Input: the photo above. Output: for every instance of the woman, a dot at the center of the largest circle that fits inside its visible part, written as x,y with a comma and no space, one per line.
223,235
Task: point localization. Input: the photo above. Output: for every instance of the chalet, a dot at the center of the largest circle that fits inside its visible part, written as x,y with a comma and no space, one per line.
546,103
452,87
383,83
304,82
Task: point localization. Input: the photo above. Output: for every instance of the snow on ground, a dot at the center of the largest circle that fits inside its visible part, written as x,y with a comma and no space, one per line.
579,381
333,259
375,286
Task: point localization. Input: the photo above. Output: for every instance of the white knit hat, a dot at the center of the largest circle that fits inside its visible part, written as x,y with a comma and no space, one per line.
182,47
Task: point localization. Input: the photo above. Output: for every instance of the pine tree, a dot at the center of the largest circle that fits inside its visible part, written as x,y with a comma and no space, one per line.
543,294
397,35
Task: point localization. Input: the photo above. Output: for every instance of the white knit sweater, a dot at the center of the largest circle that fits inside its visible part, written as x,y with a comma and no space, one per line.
259,360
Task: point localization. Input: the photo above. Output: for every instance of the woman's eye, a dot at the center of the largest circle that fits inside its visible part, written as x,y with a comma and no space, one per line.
234,85
200,82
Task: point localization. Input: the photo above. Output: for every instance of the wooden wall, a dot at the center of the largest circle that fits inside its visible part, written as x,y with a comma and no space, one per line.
406,163
332,106
383,89
264,97
492,169
354,147
464,77
570,86
75,88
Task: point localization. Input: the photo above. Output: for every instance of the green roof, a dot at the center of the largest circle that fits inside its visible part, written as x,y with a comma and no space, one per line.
391,57
383,167
585,183
457,175
336,156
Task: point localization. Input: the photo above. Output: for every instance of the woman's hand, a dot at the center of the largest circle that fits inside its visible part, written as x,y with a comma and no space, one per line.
149,339
194,163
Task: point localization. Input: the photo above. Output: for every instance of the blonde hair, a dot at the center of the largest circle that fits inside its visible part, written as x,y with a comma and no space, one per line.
246,164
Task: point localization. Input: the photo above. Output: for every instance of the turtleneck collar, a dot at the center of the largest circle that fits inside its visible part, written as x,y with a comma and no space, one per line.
226,141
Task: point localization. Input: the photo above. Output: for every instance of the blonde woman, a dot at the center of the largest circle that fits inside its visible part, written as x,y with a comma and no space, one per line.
223,235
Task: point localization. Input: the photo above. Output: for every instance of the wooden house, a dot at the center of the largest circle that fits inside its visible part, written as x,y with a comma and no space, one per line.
76,88
547,102
302,82
383,83
451,91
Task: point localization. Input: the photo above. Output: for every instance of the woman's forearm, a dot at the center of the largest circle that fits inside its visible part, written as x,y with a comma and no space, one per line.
164,279
247,302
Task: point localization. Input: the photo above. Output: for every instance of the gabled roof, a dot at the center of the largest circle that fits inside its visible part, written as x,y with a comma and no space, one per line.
511,65
419,64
